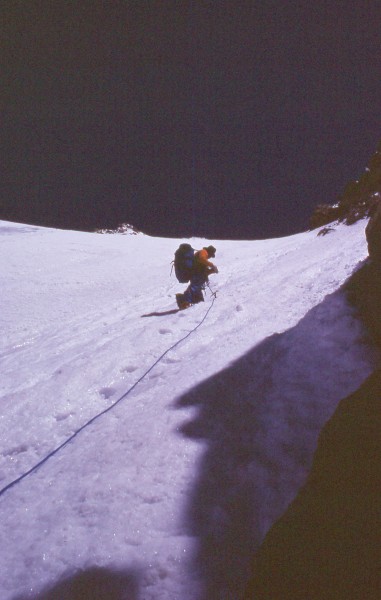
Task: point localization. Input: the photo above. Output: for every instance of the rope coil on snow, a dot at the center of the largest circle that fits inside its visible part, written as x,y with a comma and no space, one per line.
106,410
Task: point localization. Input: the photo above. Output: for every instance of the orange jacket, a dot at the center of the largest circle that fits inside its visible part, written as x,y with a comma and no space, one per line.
201,259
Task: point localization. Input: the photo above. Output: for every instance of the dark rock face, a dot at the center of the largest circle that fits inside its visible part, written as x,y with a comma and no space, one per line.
358,199
373,236
327,546
364,291
364,287
323,214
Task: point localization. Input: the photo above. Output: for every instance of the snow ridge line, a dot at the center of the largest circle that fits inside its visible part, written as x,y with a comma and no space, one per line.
106,410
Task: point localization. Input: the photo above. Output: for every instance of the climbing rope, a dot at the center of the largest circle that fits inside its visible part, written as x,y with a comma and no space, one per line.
106,410
212,293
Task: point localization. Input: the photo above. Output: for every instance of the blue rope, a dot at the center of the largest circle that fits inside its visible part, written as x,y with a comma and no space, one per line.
106,410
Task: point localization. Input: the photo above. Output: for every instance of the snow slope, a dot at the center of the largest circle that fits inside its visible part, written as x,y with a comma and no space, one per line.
175,487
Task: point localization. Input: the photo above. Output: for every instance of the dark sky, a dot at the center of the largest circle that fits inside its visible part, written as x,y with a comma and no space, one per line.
223,119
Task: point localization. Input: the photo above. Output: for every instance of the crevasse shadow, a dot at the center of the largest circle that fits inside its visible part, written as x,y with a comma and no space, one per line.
95,583
260,419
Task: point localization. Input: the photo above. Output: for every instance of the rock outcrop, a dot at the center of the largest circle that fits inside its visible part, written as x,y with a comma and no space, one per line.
124,229
373,236
364,287
358,199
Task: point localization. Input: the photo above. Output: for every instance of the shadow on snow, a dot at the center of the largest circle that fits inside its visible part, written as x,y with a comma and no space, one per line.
92,584
163,313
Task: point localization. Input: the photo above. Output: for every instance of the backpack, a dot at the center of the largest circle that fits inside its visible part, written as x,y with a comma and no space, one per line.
183,263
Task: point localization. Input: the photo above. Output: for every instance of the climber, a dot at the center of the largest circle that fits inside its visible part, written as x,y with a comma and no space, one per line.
201,269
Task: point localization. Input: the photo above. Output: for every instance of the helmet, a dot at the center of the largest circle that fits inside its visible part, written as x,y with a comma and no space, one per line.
211,251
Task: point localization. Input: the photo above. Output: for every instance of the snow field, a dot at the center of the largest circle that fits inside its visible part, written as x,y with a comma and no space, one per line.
204,453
